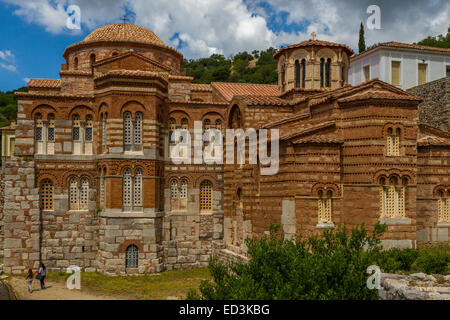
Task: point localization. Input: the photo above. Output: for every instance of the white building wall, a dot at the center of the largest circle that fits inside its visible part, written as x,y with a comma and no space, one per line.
380,66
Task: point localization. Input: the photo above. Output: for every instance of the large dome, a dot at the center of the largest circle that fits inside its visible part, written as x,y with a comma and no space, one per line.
124,32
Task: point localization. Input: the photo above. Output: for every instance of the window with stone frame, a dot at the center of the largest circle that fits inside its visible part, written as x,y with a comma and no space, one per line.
325,206
206,196
183,194
104,131
132,130
102,187
392,198
393,142
132,257
84,194
73,194
137,188
444,206
46,195
127,190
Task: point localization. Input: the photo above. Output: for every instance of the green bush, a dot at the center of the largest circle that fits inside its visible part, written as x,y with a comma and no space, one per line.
433,260
395,259
333,266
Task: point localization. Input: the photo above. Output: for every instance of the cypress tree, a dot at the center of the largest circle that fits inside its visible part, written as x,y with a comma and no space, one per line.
362,42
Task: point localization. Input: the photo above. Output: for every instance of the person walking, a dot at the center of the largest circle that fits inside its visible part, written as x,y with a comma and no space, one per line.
42,274
30,280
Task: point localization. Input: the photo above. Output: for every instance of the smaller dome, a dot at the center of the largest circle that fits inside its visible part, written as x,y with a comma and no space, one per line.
124,32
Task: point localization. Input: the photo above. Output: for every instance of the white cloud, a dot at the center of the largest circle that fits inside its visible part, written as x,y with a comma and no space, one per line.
229,26
26,80
7,60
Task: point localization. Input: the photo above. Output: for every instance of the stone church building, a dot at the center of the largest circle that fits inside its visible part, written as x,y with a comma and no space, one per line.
91,182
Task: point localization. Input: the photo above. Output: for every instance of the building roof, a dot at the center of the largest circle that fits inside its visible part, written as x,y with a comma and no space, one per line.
228,89
44,83
11,127
133,74
200,87
400,45
124,32
264,100
379,95
309,43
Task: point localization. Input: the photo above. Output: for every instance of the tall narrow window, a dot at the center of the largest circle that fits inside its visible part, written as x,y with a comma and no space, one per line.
183,194
137,188
328,73
88,135
50,134
303,72
92,59
46,195
393,142
73,194
174,196
102,187
39,134
322,68
392,198
444,206
76,134
366,70
395,73
75,63
172,128
219,124
324,206
84,194
137,131
206,195
297,74
128,130
104,132
127,190
132,257
421,73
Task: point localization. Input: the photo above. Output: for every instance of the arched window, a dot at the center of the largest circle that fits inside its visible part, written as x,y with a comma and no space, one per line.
137,131
46,195
172,128
219,124
303,72
206,197
393,142
393,198
88,128
184,124
127,190
132,257
444,206
128,130
104,131
297,74
39,134
50,134
322,68
73,194
183,191
75,63
174,189
328,73
102,187
325,206
206,126
84,194
137,188
92,59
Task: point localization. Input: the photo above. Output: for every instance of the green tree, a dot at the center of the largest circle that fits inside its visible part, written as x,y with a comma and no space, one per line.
330,267
439,41
362,41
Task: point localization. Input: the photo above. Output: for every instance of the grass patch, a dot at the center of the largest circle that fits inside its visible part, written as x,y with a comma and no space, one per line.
174,283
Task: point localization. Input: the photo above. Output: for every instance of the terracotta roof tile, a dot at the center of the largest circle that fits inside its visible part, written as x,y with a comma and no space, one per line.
314,43
433,141
377,94
124,32
11,127
184,78
201,87
320,138
307,129
264,100
44,83
228,89
133,73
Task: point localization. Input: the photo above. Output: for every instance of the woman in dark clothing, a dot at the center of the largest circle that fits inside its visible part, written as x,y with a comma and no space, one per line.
42,273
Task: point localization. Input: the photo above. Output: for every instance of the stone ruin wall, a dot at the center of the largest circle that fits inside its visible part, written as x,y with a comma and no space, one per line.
435,109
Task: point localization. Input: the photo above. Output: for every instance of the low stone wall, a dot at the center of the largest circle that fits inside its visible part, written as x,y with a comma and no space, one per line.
418,286
435,109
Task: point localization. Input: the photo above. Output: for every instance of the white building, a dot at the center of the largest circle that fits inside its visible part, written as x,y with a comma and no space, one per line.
403,65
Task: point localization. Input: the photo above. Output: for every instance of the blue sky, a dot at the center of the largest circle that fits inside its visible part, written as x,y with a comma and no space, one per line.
34,33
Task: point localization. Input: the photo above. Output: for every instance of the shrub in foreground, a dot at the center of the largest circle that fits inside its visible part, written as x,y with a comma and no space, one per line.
332,266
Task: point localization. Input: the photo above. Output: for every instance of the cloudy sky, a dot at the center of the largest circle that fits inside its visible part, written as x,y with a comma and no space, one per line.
34,33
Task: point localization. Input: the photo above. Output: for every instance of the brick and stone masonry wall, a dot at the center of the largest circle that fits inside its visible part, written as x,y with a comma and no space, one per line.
21,216
435,109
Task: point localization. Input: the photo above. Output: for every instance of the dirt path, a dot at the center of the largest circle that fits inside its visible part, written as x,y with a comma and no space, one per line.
53,291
